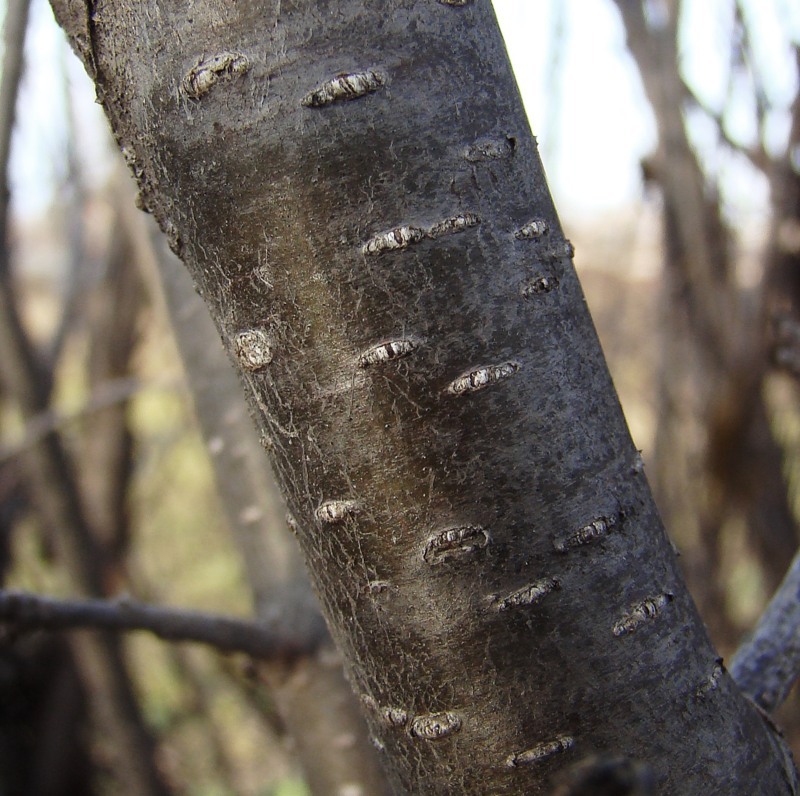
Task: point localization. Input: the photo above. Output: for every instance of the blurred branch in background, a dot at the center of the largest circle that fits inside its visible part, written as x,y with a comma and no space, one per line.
725,450
718,463
104,395
23,612
767,664
53,489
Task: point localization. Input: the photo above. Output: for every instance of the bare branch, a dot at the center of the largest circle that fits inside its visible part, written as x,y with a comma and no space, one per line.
768,664
24,612
756,155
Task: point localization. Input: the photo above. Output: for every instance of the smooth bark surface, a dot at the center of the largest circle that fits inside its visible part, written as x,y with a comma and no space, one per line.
356,193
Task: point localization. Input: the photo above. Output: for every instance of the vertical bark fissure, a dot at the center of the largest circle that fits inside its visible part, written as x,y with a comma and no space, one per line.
431,388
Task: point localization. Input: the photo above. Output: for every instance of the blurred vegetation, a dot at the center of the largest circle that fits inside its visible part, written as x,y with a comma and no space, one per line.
213,738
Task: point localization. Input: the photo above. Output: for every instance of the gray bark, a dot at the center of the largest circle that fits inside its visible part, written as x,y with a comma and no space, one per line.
381,255
767,665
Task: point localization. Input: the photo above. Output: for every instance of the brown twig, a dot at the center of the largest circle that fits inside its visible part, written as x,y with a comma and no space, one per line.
23,611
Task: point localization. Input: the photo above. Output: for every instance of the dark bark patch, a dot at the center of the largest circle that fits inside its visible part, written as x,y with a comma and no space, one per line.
541,752
455,543
642,613
207,72
344,87
601,775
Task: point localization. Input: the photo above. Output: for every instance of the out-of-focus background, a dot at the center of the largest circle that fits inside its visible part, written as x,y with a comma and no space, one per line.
670,131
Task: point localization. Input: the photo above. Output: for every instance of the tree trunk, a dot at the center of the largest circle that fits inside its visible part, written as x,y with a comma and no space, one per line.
356,193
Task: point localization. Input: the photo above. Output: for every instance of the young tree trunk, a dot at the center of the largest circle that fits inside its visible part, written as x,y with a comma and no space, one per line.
356,193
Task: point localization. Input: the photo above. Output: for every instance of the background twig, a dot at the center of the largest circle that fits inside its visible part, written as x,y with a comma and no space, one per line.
25,611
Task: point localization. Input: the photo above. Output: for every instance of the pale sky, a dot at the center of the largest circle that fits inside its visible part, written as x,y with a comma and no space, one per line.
576,77
587,106
583,99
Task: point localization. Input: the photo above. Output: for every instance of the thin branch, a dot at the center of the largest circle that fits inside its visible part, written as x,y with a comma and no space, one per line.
761,98
25,612
768,664
74,192
756,156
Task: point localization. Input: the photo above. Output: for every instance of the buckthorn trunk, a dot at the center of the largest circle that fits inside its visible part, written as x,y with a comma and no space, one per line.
356,192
